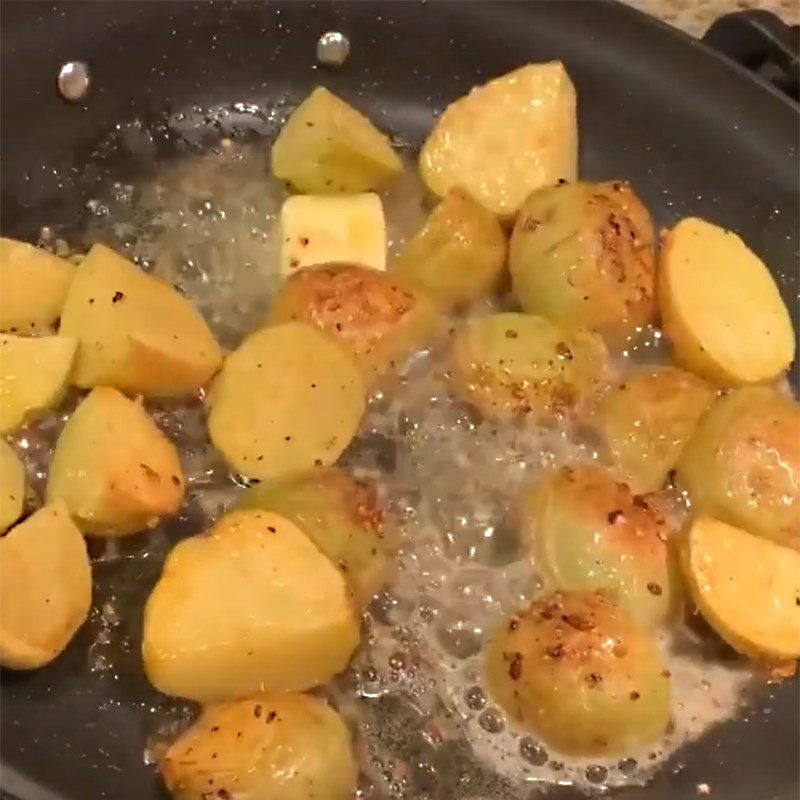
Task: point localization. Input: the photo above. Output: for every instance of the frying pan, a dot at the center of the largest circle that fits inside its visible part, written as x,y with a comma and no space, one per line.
695,134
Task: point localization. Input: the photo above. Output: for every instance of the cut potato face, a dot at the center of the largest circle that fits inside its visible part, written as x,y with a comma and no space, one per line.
504,139
327,147
135,333
577,671
45,588
286,622
516,365
721,308
589,532
459,255
748,589
113,468
12,486
289,746
341,516
288,399
647,420
319,230
377,318
33,286
582,254
33,376
742,463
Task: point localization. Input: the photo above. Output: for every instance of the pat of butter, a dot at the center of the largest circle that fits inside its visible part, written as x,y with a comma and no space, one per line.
320,229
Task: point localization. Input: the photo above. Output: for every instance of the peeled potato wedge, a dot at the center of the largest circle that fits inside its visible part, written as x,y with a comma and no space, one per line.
45,588
12,486
746,587
34,372
33,286
504,139
327,147
288,746
113,468
721,308
135,333
287,399
251,606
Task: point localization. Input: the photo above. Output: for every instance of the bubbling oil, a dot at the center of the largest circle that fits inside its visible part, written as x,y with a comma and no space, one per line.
426,727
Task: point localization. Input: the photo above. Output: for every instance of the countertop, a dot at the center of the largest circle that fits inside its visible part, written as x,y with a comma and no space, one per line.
694,16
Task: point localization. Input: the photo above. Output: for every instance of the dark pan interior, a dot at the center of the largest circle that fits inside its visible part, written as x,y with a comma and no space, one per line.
693,133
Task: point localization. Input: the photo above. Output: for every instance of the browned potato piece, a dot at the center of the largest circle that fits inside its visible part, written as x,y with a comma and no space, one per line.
721,307
33,285
582,254
267,747
377,317
517,365
12,486
45,587
114,469
459,254
742,464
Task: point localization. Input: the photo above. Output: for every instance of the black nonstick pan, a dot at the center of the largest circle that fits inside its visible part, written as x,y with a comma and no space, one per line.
695,133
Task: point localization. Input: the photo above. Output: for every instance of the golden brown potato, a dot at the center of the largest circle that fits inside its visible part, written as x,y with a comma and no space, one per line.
251,606
45,588
113,468
341,516
33,285
721,308
577,671
377,317
135,333
747,588
327,147
287,399
646,421
582,254
12,486
589,532
742,464
506,138
459,255
516,365
268,747
34,372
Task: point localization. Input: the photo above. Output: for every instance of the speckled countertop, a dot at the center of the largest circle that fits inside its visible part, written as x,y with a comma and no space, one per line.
694,16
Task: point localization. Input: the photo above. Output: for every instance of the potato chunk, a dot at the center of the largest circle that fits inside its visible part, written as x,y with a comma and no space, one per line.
45,588
515,365
747,588
376,317
341,516
327,147
33,376
251,606
589,532
113,468
504,139
576,670
582,254
12,486
288,746
319,230
135,333
721,308
647,420
33,285
742,463
287,399
459,254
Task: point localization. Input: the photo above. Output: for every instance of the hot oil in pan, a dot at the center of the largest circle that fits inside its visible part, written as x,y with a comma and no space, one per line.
426,728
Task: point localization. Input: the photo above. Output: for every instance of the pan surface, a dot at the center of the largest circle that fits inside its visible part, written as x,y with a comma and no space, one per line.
694,134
